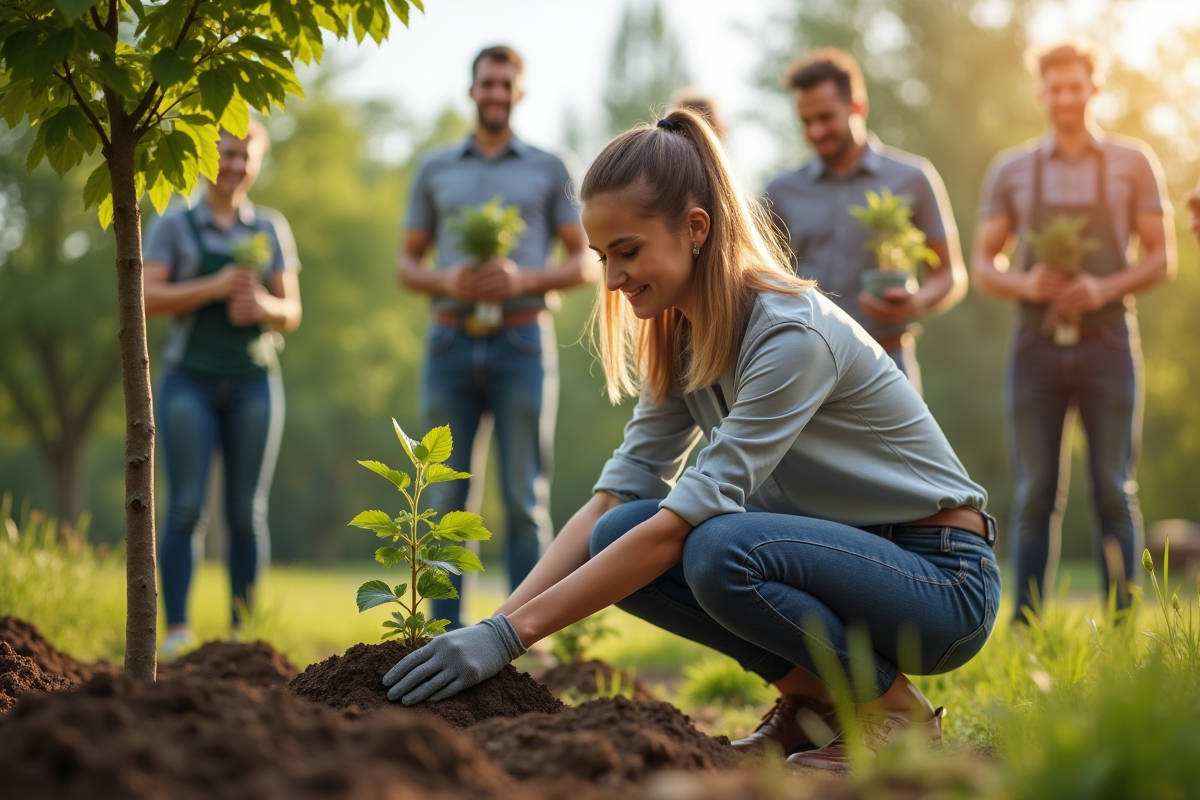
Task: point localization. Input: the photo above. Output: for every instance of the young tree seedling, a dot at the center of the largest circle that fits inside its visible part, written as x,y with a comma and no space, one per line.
1060,245
421,542
488,232
898,245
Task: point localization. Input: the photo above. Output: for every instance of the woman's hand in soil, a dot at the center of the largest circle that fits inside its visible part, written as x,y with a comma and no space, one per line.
454,661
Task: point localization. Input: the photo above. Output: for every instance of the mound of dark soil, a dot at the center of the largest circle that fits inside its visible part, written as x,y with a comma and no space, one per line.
356,679
255,663
581,677
201,739
20,675
27,640
608,740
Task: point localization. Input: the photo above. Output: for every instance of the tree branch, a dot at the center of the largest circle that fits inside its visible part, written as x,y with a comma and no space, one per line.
151,122
187,23
99,23
92,118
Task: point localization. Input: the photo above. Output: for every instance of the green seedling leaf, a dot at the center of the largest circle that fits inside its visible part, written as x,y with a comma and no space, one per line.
440,473
373,593
405,442
255,252
438,444
416,621
389,556
389,634
434,585
421,453
436,627
401,479
459,525
451,558
400,589
375,521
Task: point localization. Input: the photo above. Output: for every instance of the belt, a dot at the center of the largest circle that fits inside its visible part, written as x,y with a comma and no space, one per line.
472,326
963,518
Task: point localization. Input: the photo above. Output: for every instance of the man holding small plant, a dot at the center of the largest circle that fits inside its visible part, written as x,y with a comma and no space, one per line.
829,245
1067,207
491,346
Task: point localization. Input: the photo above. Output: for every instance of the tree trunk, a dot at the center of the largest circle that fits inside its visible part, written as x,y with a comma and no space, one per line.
66,476
141,590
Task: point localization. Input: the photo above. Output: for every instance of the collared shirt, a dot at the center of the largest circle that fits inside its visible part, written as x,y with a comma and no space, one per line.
522,175
1133,183
821,424
172,242
829,244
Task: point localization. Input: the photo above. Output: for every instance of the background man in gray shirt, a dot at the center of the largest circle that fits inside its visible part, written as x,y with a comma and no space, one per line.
508,370
812,202
1114,185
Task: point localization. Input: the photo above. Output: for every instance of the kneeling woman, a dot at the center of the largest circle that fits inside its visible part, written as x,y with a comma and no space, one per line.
826,496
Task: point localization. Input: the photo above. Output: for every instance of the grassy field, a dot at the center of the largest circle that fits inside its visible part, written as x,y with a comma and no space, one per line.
1082,704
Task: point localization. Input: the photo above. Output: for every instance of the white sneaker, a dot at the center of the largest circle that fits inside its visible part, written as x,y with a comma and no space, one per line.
177,642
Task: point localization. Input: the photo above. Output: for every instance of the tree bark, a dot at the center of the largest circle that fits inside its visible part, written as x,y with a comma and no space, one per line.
141,591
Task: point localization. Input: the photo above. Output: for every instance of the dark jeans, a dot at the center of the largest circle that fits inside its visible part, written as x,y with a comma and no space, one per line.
752,585
195,415
1101,379
514,376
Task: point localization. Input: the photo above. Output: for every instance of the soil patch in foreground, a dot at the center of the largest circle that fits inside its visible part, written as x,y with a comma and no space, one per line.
20,675
356,680
584,678
255,663
25,638
608,741
187,739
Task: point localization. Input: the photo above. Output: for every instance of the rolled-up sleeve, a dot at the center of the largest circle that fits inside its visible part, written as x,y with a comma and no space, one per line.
657,442
789,373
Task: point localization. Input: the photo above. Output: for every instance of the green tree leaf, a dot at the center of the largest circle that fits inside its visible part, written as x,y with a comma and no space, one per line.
389,556
452,558
375,521
436,627
216,90
72,9
169,68
435,585
117,78
439,473
459,525
373,593
405,442
400,589
439,444
400,479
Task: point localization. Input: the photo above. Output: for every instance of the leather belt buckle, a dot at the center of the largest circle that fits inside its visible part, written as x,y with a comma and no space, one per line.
476,329
989,524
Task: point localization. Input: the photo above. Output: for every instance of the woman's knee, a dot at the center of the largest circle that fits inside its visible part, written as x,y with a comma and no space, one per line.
712,559
616,522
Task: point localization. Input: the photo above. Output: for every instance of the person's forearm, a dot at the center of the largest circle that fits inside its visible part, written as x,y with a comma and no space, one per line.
570,273
1152,270
625,566
567,553
946,286
182,296
281,313
412,275
1004,284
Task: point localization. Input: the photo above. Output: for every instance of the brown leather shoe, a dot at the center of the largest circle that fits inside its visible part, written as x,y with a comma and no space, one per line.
780,727
879,731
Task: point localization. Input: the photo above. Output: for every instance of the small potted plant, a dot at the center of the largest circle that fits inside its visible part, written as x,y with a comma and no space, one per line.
1061,246
253,253
488,232
899,246
429,548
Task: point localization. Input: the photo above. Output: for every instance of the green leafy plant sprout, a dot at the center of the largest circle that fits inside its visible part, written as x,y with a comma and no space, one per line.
1060,244
422,542
899,246
572,643
253,251
1181,642
490,231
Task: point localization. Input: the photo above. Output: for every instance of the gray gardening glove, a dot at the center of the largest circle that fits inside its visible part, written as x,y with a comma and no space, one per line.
454,661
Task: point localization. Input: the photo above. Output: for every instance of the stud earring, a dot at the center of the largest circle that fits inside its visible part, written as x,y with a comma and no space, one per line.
695,249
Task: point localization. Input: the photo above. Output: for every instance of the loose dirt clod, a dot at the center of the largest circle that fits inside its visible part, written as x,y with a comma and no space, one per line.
200,739
255,663
20,675
581,677
607,740
355,679
27,640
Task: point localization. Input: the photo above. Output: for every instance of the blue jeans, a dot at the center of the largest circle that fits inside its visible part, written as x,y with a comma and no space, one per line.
195,415
754,585
1101,379
513,375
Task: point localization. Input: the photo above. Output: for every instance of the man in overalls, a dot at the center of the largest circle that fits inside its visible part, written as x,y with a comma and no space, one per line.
1076,346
